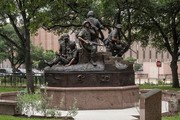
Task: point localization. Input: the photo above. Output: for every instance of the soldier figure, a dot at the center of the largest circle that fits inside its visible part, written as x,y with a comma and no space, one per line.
68,54
114,43
64,44
85,38
95,24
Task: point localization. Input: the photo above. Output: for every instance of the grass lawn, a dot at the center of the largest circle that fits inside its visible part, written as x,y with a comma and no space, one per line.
7,117
162,87
10,89
172,118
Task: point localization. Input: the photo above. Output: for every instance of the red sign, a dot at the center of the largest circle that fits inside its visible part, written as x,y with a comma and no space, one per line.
158,63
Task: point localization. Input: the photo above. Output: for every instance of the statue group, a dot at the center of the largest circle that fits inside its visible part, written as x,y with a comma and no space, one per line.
88,39
102,79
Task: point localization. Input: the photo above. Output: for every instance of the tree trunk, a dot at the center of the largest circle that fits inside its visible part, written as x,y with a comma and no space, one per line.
28,64
174,69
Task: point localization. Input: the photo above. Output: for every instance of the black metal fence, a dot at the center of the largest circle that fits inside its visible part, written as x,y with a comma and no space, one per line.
20,80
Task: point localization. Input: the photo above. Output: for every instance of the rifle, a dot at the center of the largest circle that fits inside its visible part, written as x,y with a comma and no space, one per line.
61,55
92,25
94,43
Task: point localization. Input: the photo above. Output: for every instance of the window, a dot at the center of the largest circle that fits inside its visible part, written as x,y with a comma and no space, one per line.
137,54
144,56
156,54
130,53
162,56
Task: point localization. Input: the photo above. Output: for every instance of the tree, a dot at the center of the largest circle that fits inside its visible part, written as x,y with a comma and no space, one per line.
65,15
39,55
3,55
159,25
9,51
21,14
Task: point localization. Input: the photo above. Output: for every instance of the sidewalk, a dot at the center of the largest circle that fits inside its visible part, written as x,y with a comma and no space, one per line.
117,114
121,114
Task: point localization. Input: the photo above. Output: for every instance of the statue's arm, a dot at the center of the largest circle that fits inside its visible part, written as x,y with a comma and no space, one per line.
83,40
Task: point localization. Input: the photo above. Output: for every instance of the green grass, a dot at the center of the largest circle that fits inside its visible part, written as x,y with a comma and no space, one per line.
10,89
162,87
7,117
172,118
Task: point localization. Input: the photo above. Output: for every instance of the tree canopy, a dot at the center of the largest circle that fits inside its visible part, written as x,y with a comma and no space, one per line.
159,25
8,50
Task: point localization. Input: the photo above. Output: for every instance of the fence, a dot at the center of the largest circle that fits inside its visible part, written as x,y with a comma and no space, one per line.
20,80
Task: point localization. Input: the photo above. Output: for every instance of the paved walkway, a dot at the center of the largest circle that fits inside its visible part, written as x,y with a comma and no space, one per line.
118,114
121,114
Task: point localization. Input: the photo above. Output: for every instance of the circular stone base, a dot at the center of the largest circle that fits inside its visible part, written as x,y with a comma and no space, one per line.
93,98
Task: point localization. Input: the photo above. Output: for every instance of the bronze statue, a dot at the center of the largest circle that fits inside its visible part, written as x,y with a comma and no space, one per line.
64,44
92,68
85,38
68,54
93,21
113,42
95,24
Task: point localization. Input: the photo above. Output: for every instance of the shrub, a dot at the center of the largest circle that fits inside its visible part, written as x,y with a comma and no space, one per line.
29,104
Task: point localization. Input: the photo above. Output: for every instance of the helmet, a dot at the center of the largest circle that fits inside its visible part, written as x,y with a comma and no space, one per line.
85,22
65,37
118,26
72,45
90,13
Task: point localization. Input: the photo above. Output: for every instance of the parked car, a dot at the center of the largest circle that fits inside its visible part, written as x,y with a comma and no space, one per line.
6,71
9,72
23,70
2,72
37,72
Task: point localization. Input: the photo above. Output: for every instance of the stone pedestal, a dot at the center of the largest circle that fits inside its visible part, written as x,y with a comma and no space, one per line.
109,72
91,98
108,85
150,105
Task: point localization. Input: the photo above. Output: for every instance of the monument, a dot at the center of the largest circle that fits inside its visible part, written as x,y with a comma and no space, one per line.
98,80
109,85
